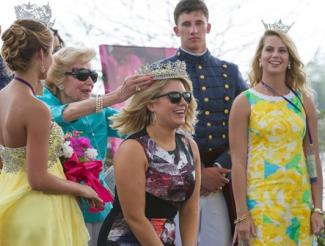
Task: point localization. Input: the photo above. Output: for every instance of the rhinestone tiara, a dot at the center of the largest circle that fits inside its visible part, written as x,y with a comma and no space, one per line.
277,26
42,13
162,71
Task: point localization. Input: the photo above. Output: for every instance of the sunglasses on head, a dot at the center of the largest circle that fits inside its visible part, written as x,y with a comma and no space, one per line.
83,74
175,96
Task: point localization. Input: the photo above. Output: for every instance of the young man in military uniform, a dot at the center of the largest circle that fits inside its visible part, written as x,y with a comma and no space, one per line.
216,83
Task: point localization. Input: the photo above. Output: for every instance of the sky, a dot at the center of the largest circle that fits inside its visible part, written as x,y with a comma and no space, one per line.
236,24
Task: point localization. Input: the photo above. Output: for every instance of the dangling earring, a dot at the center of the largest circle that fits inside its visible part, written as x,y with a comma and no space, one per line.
153,117
43,70
289,65
60,86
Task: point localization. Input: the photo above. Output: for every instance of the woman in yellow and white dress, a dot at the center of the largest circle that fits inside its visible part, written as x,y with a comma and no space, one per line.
276,202
37,203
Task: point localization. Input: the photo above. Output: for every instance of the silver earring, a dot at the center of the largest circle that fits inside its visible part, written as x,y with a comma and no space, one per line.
43,70
289,65
153,117
60,86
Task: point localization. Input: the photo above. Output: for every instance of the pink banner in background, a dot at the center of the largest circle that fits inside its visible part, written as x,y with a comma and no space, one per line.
119,62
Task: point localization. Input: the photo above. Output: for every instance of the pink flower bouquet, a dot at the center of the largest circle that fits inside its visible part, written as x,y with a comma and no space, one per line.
80,165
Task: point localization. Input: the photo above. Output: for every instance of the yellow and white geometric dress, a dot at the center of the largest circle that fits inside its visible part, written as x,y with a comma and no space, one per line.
278,185
34,218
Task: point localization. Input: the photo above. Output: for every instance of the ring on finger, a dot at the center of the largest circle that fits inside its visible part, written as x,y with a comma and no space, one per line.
137,88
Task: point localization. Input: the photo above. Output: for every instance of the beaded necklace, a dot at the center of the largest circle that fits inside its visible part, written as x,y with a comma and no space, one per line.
86,122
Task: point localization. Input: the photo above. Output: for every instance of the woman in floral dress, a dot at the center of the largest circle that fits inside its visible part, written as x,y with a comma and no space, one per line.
277,203
157,168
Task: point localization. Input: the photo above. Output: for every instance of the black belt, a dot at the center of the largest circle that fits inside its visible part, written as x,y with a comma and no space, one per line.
208,157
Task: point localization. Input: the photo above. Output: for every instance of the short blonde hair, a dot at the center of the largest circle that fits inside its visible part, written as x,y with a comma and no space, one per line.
62,60
136,116
295,76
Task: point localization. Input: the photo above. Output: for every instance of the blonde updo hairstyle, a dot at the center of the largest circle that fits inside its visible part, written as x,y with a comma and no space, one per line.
22,40
63,60
136,116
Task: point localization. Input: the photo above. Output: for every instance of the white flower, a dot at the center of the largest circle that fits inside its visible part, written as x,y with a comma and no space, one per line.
91,153
67,150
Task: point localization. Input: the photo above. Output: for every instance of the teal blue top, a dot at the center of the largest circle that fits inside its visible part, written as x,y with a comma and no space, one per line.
94,126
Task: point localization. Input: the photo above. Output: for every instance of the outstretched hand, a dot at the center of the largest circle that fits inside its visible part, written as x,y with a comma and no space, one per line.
133,84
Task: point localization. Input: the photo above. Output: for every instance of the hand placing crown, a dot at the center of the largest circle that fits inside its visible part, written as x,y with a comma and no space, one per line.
277,26
162,71
42,13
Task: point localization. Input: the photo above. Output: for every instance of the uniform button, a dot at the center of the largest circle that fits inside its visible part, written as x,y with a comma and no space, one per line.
202,76
199,67
207,112
226,86
224,65
178,53
225,75
206,99
208,124
227,98
210,136
203,88
223,123
226,111
210,149
223,136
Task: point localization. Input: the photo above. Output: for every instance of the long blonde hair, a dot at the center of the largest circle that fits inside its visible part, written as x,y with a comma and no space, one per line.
295,76
136,116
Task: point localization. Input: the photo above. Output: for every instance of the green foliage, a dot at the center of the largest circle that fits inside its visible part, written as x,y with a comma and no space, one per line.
316,76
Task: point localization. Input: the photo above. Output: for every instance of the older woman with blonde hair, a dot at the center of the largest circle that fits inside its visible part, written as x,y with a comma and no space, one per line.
68,91
157,169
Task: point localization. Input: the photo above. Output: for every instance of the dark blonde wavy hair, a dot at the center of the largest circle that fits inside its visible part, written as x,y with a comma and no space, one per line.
295,76
136,116
22,40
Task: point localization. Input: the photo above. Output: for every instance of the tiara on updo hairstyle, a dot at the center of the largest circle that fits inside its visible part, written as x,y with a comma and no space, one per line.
30,11
22,40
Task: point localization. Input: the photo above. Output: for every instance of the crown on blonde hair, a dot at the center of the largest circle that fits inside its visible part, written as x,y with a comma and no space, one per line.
162,71
277,26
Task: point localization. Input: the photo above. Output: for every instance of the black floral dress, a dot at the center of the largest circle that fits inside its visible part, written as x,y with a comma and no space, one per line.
170,180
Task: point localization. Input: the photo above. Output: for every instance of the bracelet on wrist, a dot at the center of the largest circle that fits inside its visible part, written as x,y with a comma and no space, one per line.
318,210
99,103
240,219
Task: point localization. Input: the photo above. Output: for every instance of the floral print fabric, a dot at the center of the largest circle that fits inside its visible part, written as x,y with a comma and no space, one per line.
170,180
278,187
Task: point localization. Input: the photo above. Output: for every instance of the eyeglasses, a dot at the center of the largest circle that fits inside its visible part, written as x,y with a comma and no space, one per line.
83,74
175,96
